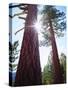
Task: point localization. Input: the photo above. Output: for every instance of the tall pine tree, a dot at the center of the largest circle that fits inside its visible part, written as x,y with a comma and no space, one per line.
29,69
54,22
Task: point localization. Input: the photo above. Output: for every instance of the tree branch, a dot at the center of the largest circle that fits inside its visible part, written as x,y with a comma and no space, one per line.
23,8
14,6
22,18
10,16
15,15
19,30
23,12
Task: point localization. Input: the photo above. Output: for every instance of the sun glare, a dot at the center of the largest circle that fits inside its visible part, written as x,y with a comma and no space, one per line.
38,26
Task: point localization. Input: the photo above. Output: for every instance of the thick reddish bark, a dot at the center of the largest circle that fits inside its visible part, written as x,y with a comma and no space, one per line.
29,70
58,78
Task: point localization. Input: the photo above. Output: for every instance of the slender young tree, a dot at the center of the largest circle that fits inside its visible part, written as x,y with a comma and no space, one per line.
13,56
54,22
29,70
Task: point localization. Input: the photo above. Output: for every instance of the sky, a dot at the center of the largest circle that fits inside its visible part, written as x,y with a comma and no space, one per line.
43,50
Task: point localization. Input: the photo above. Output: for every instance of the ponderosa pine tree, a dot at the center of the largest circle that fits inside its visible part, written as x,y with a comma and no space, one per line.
53,23
29,69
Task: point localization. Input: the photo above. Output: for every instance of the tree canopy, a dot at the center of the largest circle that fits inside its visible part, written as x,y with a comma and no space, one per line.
58,19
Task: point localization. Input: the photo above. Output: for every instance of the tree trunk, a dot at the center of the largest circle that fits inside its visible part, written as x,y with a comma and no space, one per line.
58,78
29,70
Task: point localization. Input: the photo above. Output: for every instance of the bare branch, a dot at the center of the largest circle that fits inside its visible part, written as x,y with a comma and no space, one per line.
23,8
19,30
23,12
18,14
10,16
14,6
15,15
22,18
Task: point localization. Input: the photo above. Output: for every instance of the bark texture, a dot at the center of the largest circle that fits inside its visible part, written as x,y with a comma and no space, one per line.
58,78
29,69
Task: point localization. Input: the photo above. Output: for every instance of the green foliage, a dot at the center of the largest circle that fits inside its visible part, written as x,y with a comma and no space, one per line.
13,55
12,67
58,20
46,41
63,65
47,74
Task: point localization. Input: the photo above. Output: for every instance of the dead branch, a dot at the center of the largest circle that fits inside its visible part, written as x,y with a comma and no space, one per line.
22,18
15,15
23,8
19,30
14,6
